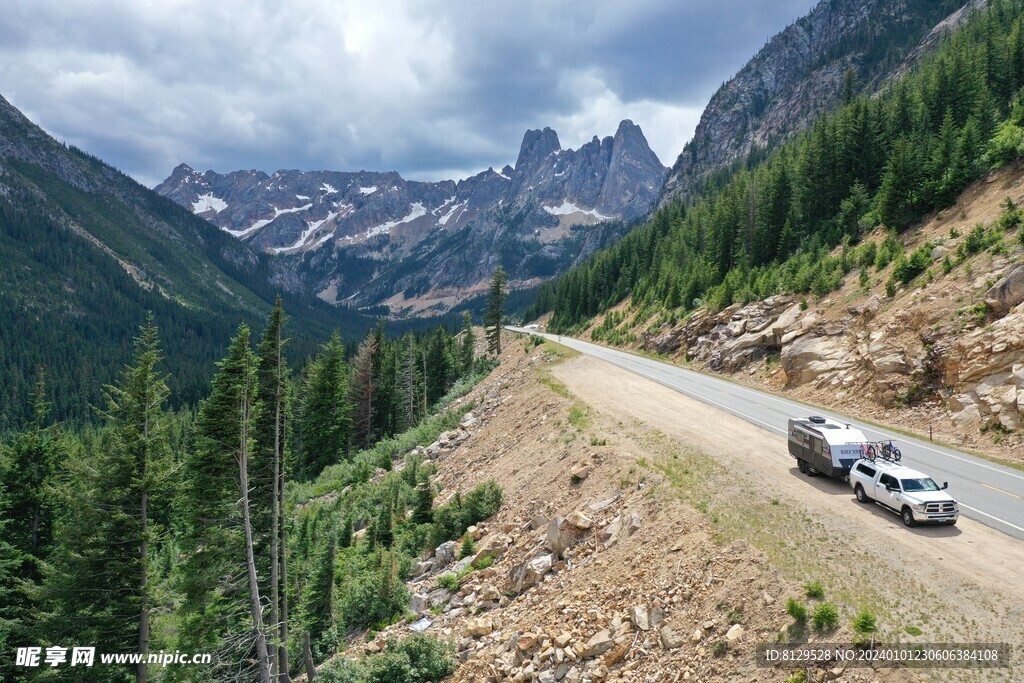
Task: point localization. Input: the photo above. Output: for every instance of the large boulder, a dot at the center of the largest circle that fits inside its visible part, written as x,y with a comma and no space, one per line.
1006,293
562,535
809,357
444,555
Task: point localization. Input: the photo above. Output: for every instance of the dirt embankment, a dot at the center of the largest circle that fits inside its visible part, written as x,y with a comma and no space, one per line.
635,544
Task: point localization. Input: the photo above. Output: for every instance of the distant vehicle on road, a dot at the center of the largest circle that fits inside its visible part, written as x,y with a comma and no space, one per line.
532,327
912,495
826,446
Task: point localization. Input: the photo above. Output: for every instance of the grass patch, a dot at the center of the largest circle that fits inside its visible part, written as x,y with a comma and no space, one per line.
578,416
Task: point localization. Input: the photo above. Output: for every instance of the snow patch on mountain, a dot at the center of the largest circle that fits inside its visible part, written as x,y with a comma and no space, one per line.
568,208
367,190
207,202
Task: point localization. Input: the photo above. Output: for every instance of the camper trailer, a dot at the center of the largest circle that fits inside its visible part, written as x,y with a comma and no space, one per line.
826,446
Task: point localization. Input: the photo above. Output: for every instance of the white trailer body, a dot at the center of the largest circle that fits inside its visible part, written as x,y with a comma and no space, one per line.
823,445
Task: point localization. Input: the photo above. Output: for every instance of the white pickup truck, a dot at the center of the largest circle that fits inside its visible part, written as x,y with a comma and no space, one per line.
909,493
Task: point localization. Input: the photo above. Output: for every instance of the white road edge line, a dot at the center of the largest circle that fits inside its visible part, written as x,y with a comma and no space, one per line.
1001,521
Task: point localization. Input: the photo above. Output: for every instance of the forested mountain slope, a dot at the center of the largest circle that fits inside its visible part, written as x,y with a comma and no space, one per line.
85,251
841,48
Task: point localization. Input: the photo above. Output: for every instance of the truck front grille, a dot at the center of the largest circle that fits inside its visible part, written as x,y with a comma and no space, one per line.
937,508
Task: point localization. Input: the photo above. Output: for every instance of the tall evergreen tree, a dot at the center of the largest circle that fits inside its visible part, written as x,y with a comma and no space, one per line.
98,584
269,476
408,384
15,616
324,421
467,345
363,390
495,310
318,599
219,531
34,460
439,370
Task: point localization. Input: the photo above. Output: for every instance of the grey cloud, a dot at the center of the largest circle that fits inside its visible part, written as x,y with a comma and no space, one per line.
425,88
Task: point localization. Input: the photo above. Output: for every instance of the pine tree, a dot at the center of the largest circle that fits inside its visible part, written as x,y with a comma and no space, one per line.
15,615
269,476
363,391
218,509
467,345
407,384
34,462
324,422
98,581
318,597
439,370
423,504
495,310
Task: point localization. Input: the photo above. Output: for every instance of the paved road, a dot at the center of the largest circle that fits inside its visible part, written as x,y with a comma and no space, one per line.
987,492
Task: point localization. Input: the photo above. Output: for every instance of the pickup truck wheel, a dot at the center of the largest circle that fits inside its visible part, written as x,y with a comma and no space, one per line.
908,517
861,496
802,466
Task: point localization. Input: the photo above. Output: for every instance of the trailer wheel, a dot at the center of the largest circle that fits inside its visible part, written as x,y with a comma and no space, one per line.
908,517
862,497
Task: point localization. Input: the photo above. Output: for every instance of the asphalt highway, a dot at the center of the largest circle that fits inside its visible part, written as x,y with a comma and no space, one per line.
988,492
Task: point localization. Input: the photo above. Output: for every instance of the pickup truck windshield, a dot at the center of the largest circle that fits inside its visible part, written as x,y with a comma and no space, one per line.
925,484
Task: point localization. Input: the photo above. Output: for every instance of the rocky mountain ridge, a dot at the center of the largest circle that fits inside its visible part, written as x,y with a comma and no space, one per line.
383,218
802,72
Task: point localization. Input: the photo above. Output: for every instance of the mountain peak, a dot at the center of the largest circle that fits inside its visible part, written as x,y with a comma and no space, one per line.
537,145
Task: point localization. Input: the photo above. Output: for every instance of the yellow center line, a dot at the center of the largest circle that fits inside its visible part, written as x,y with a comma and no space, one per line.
1001,491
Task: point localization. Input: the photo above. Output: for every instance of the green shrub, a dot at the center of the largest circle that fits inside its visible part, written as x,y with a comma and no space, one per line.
374,592
798,676
481,503
449,581
978,239
814,589
468,547
416,659
825,617
906,269
341,671
484,562
890,287
864,623
797,610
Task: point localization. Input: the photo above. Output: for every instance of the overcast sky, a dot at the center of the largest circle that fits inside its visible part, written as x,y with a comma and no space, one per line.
431,88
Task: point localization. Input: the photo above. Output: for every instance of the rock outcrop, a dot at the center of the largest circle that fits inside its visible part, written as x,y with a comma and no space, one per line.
986,368
802,71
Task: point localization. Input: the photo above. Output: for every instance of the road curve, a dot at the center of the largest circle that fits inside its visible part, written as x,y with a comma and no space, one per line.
988,492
